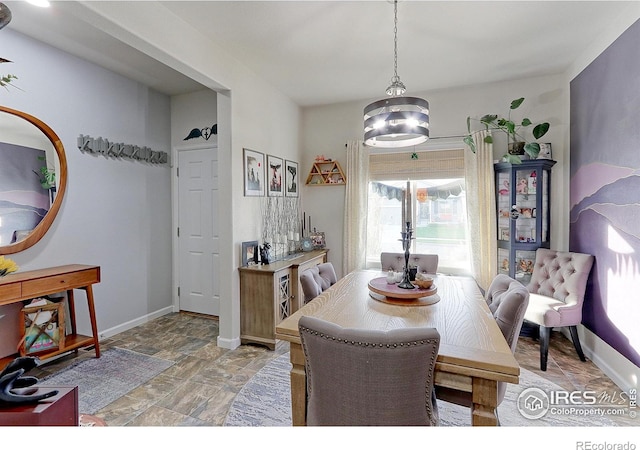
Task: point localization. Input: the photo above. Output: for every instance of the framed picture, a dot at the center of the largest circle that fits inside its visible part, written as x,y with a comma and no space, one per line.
545,151
254,178
249,253
290,178
275,168
317,238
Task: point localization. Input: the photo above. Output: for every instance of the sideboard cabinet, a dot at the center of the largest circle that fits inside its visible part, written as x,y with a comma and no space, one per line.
523,215
270,293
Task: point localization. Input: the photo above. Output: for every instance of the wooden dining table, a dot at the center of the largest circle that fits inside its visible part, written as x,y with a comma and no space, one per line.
473,355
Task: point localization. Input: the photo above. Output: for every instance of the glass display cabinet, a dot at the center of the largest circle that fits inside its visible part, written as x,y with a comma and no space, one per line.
523,214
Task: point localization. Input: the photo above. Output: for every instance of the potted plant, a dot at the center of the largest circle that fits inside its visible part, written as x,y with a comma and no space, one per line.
47,176
516,143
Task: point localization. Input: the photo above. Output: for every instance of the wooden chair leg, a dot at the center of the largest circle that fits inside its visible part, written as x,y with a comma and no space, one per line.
576,342
545,333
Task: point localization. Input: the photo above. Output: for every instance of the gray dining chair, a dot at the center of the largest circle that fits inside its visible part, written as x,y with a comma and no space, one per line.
507,300
316,280
558,284
369,377
426,263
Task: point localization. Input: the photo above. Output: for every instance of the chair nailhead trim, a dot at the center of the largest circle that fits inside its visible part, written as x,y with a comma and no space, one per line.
369,344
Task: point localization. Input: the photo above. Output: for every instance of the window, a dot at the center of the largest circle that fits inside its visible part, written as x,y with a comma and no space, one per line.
438,208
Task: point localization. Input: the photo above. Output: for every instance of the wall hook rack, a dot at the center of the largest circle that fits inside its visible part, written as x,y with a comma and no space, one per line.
88,144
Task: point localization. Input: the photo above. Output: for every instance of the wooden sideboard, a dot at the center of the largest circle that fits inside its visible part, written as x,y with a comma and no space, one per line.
27,285
270,293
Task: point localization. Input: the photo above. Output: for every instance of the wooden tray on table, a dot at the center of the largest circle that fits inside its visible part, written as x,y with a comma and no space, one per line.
394,295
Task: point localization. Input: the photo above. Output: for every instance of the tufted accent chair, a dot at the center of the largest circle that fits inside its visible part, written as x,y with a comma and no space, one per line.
369,377
316,280
507,300
395,261
557,288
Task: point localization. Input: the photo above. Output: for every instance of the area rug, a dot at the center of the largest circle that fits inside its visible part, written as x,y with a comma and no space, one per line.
102,380
266,401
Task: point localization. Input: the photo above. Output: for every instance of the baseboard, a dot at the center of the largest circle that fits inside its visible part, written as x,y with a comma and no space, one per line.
622,372
228,343
135,322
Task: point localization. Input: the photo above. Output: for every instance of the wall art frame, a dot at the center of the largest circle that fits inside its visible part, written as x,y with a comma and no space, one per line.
254,174
249,253
275,186
291,179
545,151
317,239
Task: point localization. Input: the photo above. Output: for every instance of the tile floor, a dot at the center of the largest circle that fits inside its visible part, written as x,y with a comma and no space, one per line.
199,388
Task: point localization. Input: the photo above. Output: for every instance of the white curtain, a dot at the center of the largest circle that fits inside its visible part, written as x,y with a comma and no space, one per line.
481,209
355,207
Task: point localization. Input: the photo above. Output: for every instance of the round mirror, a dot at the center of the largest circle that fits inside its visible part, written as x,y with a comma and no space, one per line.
33,177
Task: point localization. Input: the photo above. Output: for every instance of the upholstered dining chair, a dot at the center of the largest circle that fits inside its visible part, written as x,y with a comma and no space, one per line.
395,262
315,280
558,284
369,377
507,300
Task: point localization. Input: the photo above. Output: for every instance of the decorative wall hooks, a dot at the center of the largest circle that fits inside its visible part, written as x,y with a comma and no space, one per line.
120,150
205,132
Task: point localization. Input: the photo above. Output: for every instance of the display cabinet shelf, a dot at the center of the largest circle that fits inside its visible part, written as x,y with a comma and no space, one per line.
523,214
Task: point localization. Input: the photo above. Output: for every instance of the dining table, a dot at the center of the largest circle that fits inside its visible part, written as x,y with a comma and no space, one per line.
473,355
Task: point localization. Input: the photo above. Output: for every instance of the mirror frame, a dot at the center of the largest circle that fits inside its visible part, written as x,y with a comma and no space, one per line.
40,230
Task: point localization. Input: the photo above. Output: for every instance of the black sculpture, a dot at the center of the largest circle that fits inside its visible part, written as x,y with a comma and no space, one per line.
265,254
205,132
13,385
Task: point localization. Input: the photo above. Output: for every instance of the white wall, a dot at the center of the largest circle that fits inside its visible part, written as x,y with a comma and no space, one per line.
115,213
326,129
250,113
622,371
193,110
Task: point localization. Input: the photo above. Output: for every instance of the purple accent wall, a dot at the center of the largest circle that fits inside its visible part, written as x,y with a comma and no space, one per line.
605,190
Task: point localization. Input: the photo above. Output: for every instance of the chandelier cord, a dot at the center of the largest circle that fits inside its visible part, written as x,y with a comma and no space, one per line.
395,41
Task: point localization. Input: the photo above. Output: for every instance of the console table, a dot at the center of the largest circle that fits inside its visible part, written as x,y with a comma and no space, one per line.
20,286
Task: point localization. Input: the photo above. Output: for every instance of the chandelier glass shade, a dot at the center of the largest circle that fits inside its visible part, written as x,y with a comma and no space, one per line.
397,121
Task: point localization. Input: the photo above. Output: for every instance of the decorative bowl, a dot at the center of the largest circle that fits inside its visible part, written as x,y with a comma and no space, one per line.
424,283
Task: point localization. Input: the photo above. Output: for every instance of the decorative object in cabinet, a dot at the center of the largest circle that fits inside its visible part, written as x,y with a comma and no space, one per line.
326,172
523,214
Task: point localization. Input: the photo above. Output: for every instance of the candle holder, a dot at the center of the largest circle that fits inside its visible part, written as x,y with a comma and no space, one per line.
406,244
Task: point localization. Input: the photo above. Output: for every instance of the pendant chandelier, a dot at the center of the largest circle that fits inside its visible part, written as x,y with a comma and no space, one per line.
397,121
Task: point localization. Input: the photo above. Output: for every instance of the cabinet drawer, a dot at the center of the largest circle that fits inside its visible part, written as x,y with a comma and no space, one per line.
59,283
9,292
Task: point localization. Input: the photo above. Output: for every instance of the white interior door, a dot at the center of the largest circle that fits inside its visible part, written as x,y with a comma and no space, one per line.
198,238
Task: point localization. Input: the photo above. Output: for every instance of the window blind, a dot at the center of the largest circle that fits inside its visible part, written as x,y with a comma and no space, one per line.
429,165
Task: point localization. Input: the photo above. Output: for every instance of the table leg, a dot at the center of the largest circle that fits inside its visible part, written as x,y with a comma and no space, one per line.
72,310
485,402
298,386
92,317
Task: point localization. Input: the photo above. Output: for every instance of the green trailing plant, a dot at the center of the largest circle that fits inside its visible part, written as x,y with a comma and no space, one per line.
47,176
5,80
512,129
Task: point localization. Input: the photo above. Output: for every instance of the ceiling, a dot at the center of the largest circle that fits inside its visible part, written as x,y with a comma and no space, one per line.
322,52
